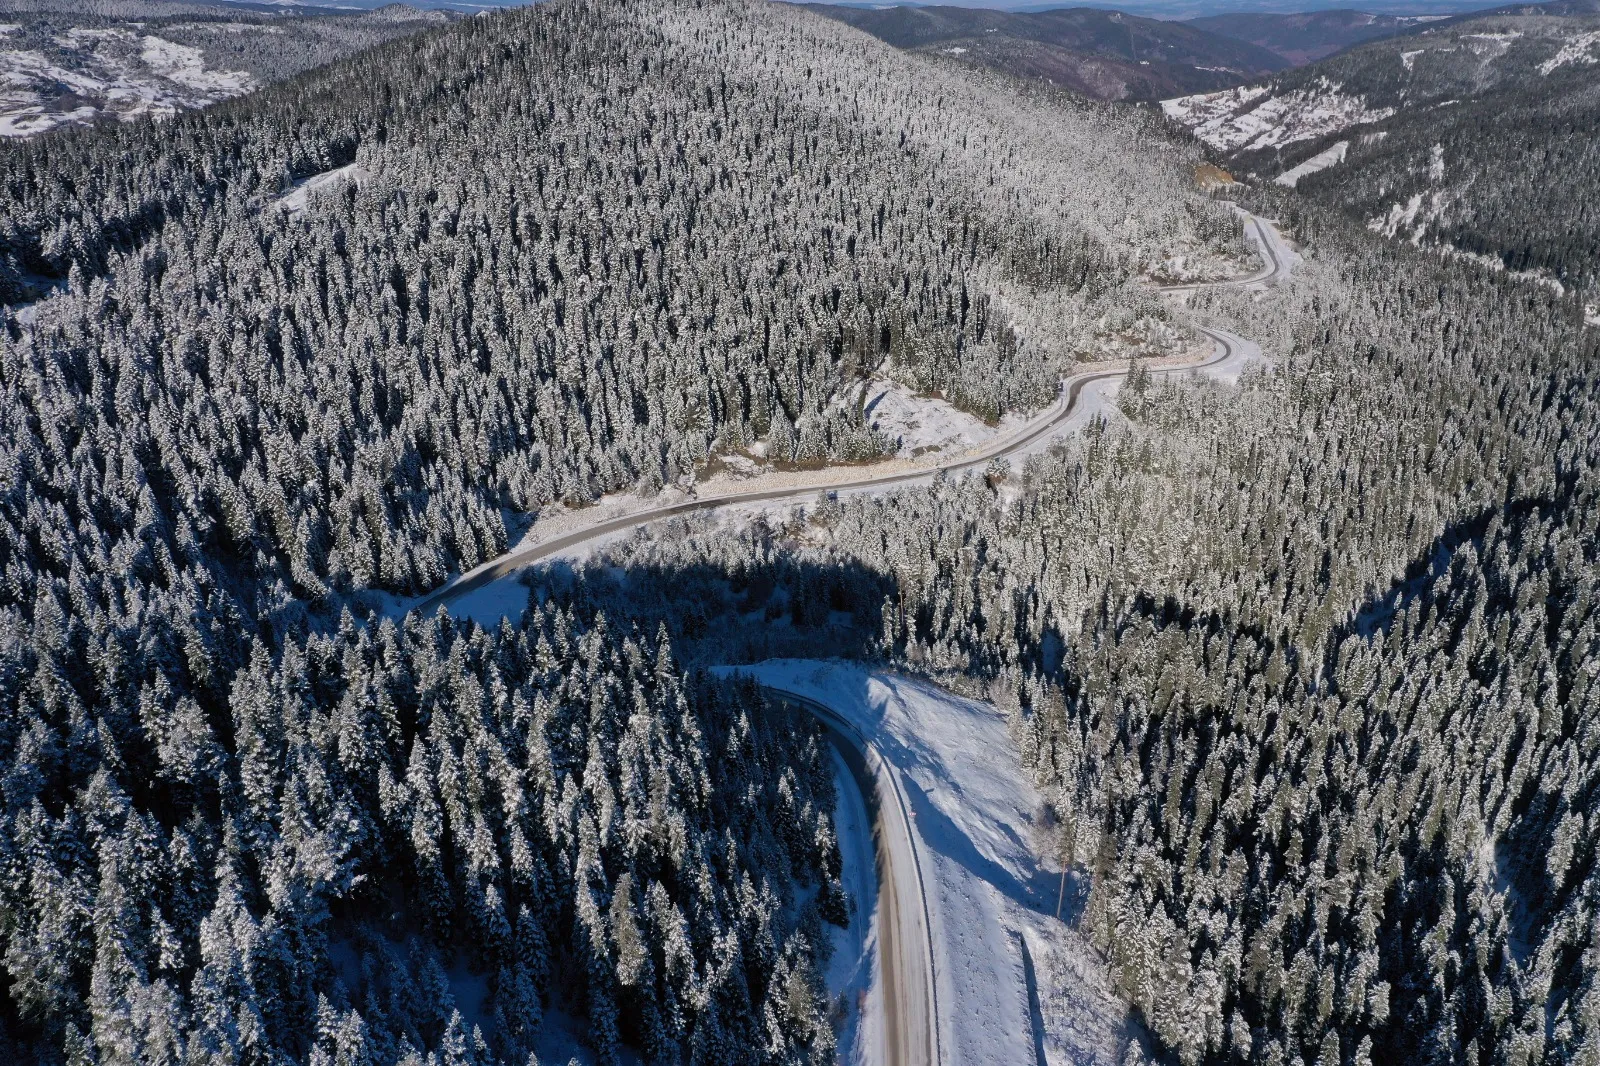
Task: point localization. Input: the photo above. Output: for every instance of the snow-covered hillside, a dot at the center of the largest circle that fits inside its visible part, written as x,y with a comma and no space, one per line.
1256,117
61,65
1478,135
92,74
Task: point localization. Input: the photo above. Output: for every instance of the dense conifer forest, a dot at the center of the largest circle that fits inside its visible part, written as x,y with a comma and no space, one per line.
242,824
1303,666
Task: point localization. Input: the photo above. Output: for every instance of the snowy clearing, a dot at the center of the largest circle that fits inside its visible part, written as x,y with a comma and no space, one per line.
1252,117
295,200
1321,161
1578,50
186,66
991,899
925,424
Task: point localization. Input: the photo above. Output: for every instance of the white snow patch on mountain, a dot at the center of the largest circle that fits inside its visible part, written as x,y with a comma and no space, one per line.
1409,59
1015,985
1321,161
1591,315
1253,117
295,200
106,73
1399,217
1578,50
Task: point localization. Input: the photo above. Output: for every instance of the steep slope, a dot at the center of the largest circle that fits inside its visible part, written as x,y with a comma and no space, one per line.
1478,135
1104,54
68,64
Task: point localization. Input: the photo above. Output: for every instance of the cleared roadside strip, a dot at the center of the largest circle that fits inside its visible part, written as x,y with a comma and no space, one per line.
907,966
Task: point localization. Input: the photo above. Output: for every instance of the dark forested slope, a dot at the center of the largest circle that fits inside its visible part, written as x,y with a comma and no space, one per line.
1100,53
1305,36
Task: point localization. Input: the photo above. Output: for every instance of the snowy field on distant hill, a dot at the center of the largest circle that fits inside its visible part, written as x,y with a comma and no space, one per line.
106,73
1254,117
1014,984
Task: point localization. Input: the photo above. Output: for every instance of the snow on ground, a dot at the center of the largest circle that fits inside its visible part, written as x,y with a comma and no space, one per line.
1400,217
1498,265
1254,117
1409,59
1579,50
1321,161
991,899
294,201
506,598
852,972
100,73
1204,108
186,66
924,424
1591,315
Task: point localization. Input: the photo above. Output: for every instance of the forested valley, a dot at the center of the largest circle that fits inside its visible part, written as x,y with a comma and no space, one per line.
1303,667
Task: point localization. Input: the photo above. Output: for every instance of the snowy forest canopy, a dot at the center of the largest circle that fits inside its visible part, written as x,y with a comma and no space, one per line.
1304,666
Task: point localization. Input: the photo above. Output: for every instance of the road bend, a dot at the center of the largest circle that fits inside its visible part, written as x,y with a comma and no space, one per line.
908,966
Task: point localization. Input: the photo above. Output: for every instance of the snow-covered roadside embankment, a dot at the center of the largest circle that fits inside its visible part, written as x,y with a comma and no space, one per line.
989,896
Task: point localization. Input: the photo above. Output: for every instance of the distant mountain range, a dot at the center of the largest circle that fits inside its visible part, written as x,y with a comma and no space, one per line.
1308,36
1120,55
1105,54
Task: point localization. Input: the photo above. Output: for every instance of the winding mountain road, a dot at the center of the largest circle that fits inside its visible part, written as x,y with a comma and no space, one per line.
1227,347
907,956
